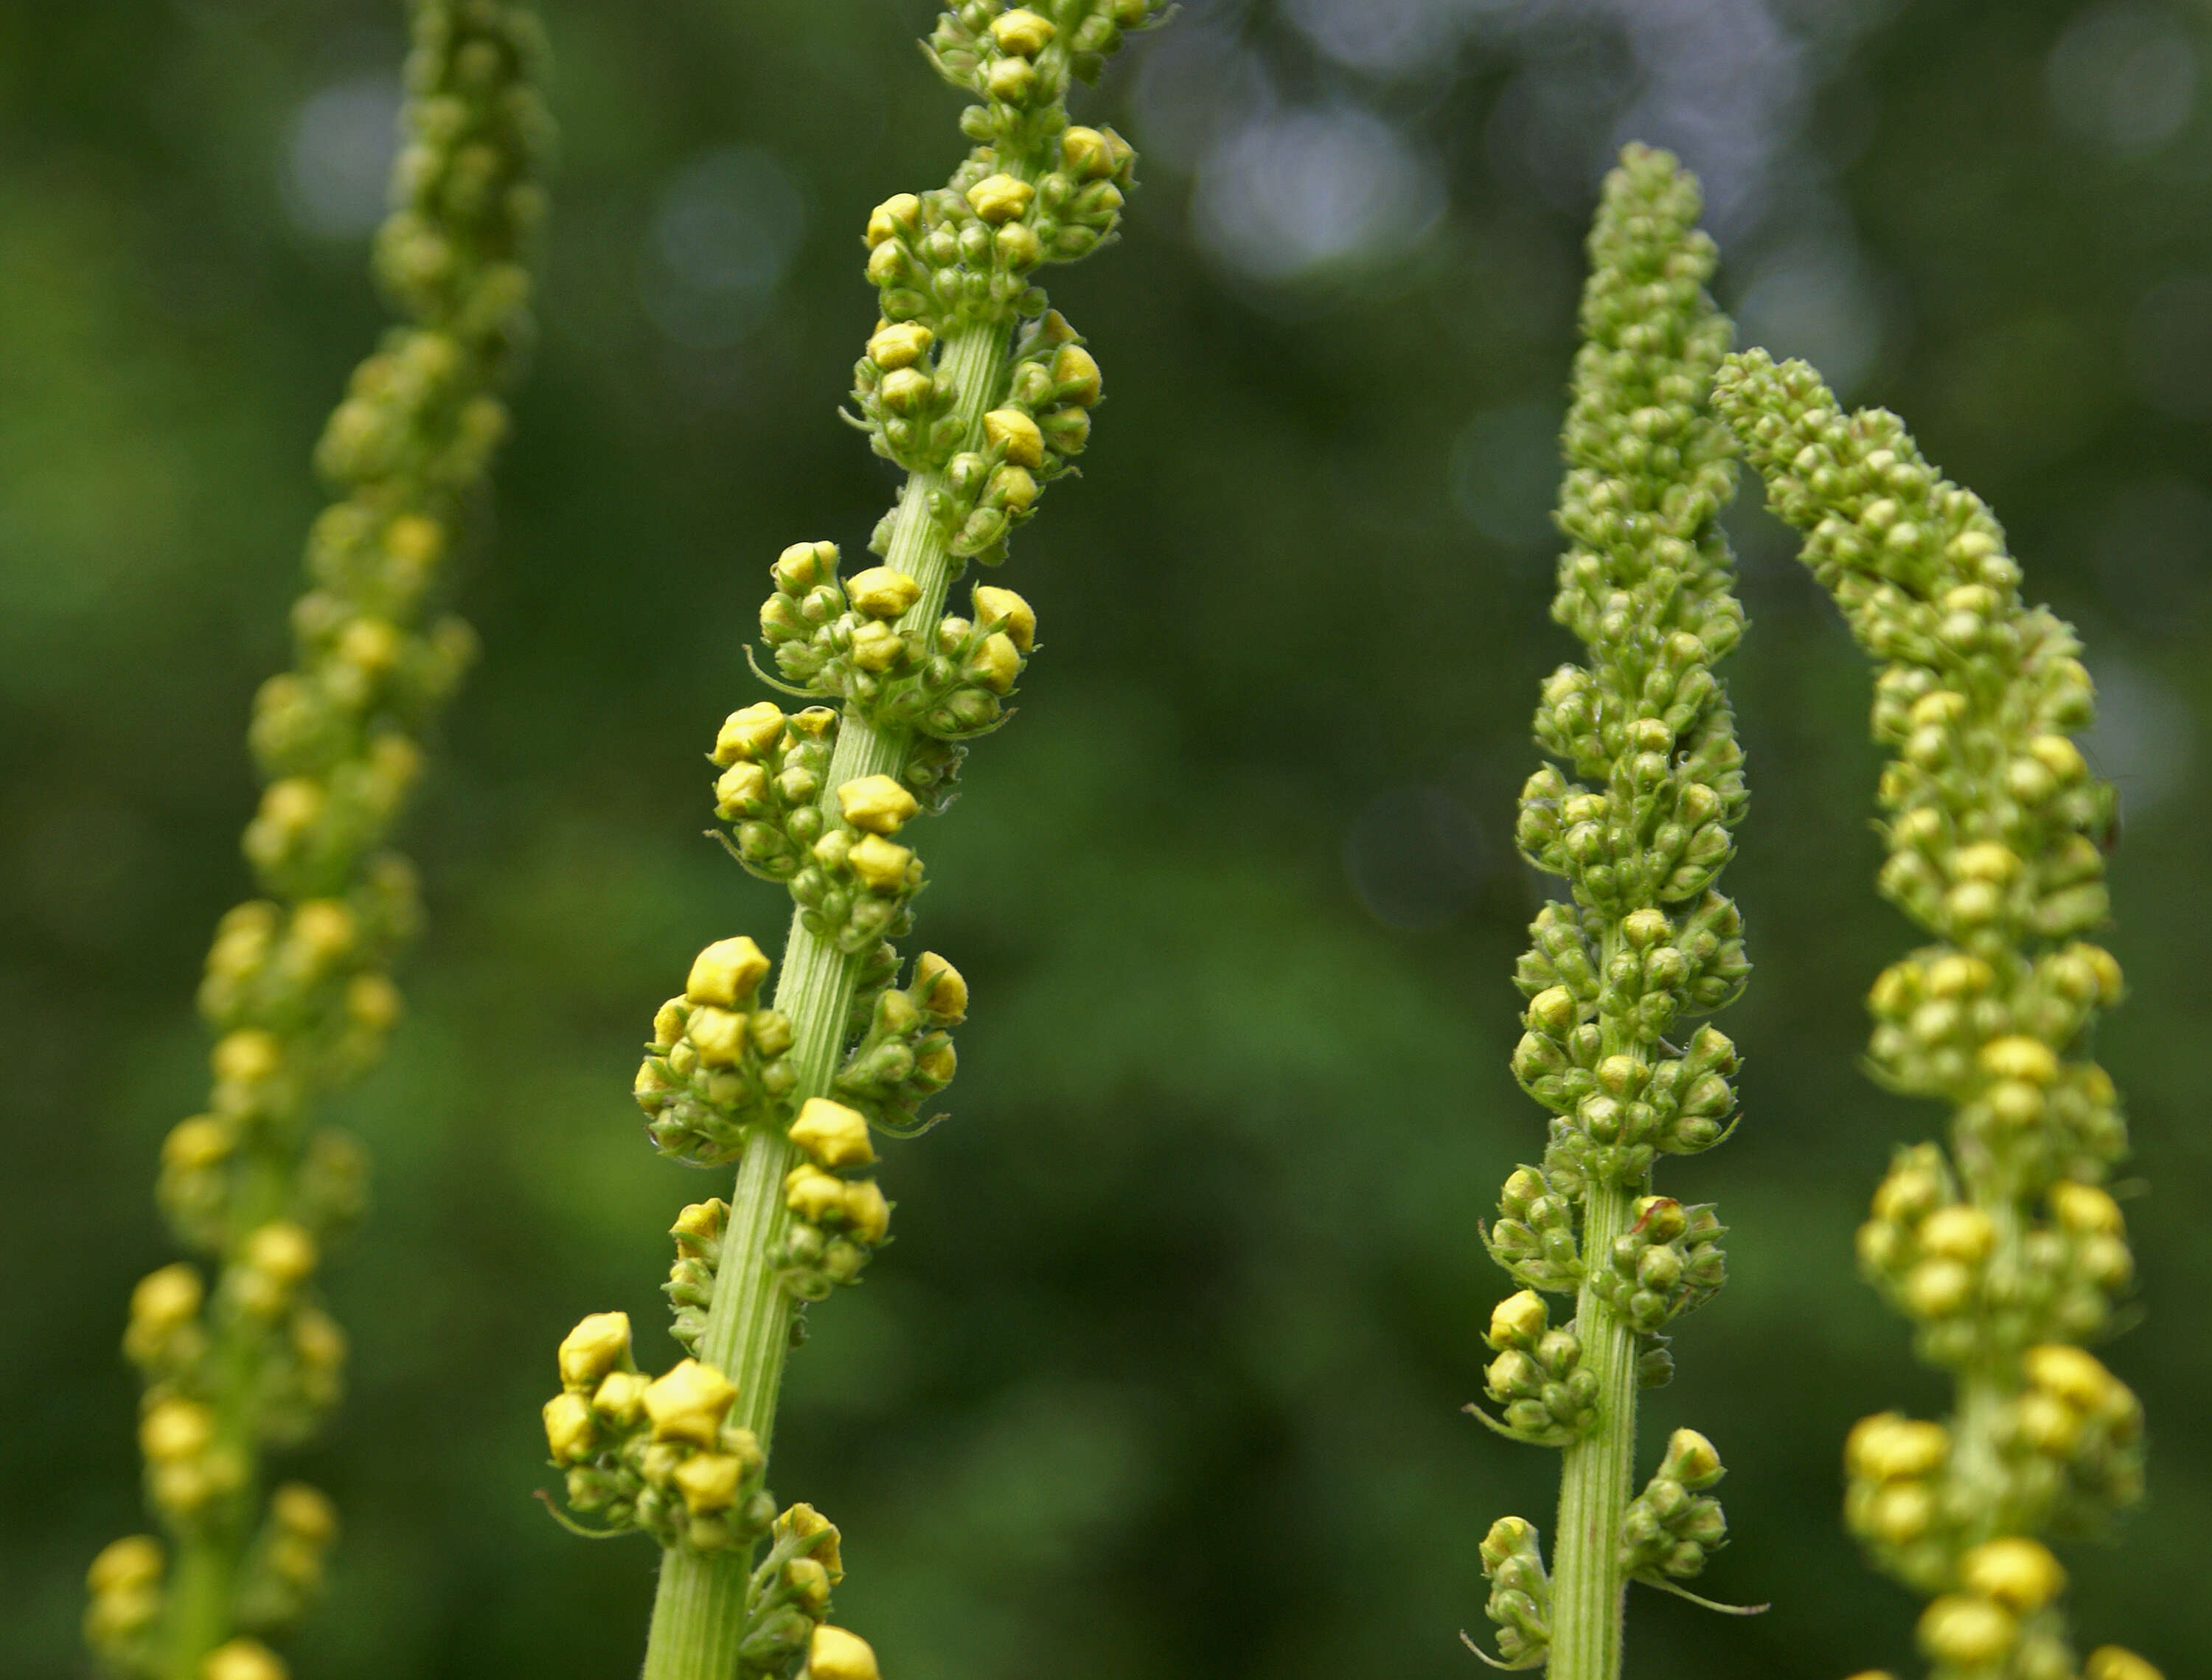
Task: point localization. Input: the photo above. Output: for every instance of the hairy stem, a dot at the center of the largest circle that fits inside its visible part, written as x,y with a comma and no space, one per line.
1588,1579
699,1613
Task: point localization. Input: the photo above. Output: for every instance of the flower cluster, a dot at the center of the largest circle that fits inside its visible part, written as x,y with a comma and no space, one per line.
1671,1527
658,1454
1637,816
240,1357
2005,1251
983,393
717,1065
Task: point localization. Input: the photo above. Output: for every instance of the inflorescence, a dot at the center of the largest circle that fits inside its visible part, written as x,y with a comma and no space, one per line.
2006,1251
298,986
983,394
1638,815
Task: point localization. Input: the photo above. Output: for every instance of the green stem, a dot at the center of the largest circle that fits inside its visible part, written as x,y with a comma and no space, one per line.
203,1583
1588,1579
699,1612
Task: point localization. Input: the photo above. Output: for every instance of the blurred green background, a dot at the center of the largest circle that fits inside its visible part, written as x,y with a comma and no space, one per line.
1163,1375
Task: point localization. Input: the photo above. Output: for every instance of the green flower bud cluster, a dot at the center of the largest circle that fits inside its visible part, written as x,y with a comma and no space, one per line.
2005,1252
698,1232
656,1454
787,1604
837,1219
241,1357
1520,1593
1537,1379
1639,816
1671,1528
841,639
906,1056
983,393
717,1065
1668,1262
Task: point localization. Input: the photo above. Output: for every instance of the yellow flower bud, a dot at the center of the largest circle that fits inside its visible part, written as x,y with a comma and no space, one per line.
1021,31
247,1057
878,804
281,1251
1019,246
1692,1459
727,974
2021,1058
812,1193
2086,1210
374,1003
132,1561
2060,756
939,1064
881,593
1086,154
174,1430
996,663
877,646
1888,1447
304,1511
837,1655
999,198
569,1427
901,210
1011,79
1938,1288
323,930
1960,976
199,1143
318,1341
701,1223
906,389
689,1403
2047,1423
2073,1374
2017,1573
1986,862
1957,1233
869,1214
243,1660
880,864
1014,487
717,1035
1012,613
939,988
832,1134
621,1396
899,346
1969,1632
1901,1512
415,539
886,262
1518,1319
598,1344
809,1582
1018,434
2109,1662
749,732
708,1483
737,788
166,1298
1074,366
804,1523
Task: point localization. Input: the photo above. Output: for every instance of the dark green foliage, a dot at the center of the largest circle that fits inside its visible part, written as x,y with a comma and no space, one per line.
1162,1377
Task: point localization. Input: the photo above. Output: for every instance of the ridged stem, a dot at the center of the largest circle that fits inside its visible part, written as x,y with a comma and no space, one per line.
1588,1579
699,1612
